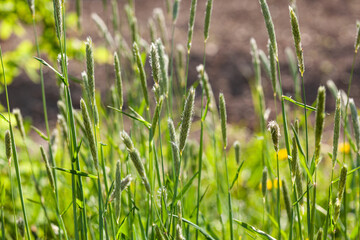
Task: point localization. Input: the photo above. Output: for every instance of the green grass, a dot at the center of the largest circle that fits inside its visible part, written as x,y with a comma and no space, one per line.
187,181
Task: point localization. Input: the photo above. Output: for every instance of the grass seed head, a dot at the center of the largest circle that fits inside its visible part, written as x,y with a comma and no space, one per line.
186,119
103,28
135,157
342,182
179,235
176,8
8,148
164,80
157,114
142,73
356,123
21,226
125,182
269,25
48,168
332,87
19,121
237,151
152,29
32,7
209,4
294,159
319,121
191,24
58,18
264,182
357,41
158,232
297,40
154,62
274,129
319,234
172,131
256,61
89,132
160,21
90,69
223,118
273,71
118,80
336,128
127,140
286,199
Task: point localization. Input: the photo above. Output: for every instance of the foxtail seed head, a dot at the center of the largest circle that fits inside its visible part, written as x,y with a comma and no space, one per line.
90,69
274,129
342,183
332,87
207,19
58,18
157,114
176,8
269,25
186,119
273,71
286,199
152,30
135,157
237,151
160,20
19,121
264,182
179,235
118,80
172,131
357,41
125,182
163,81
223,118
297,40
21,226
89,132
8,148
336,128
118,191
191,24
48,168
141,72
356,123
255,61
159,235
127,140
31,6
319,122
154,62
103,28
294,159
319,234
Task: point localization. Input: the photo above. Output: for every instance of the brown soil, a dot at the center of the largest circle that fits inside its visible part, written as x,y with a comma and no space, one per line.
328,33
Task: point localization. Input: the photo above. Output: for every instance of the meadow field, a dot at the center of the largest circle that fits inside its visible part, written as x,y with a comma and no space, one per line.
145,150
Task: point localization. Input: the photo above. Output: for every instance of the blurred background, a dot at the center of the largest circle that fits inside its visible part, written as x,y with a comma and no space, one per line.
328,31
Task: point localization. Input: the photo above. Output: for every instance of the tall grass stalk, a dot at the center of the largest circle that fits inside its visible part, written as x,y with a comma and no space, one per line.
14,153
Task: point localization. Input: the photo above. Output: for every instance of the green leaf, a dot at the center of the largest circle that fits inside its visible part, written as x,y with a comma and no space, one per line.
40,133
143,121
237,174
53,69
76,172
252,229
201,230
4,118
186,187
310,108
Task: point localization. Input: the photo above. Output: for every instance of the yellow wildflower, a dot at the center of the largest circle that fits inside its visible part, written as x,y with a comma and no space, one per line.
269,185
344,147
276,183
282,154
